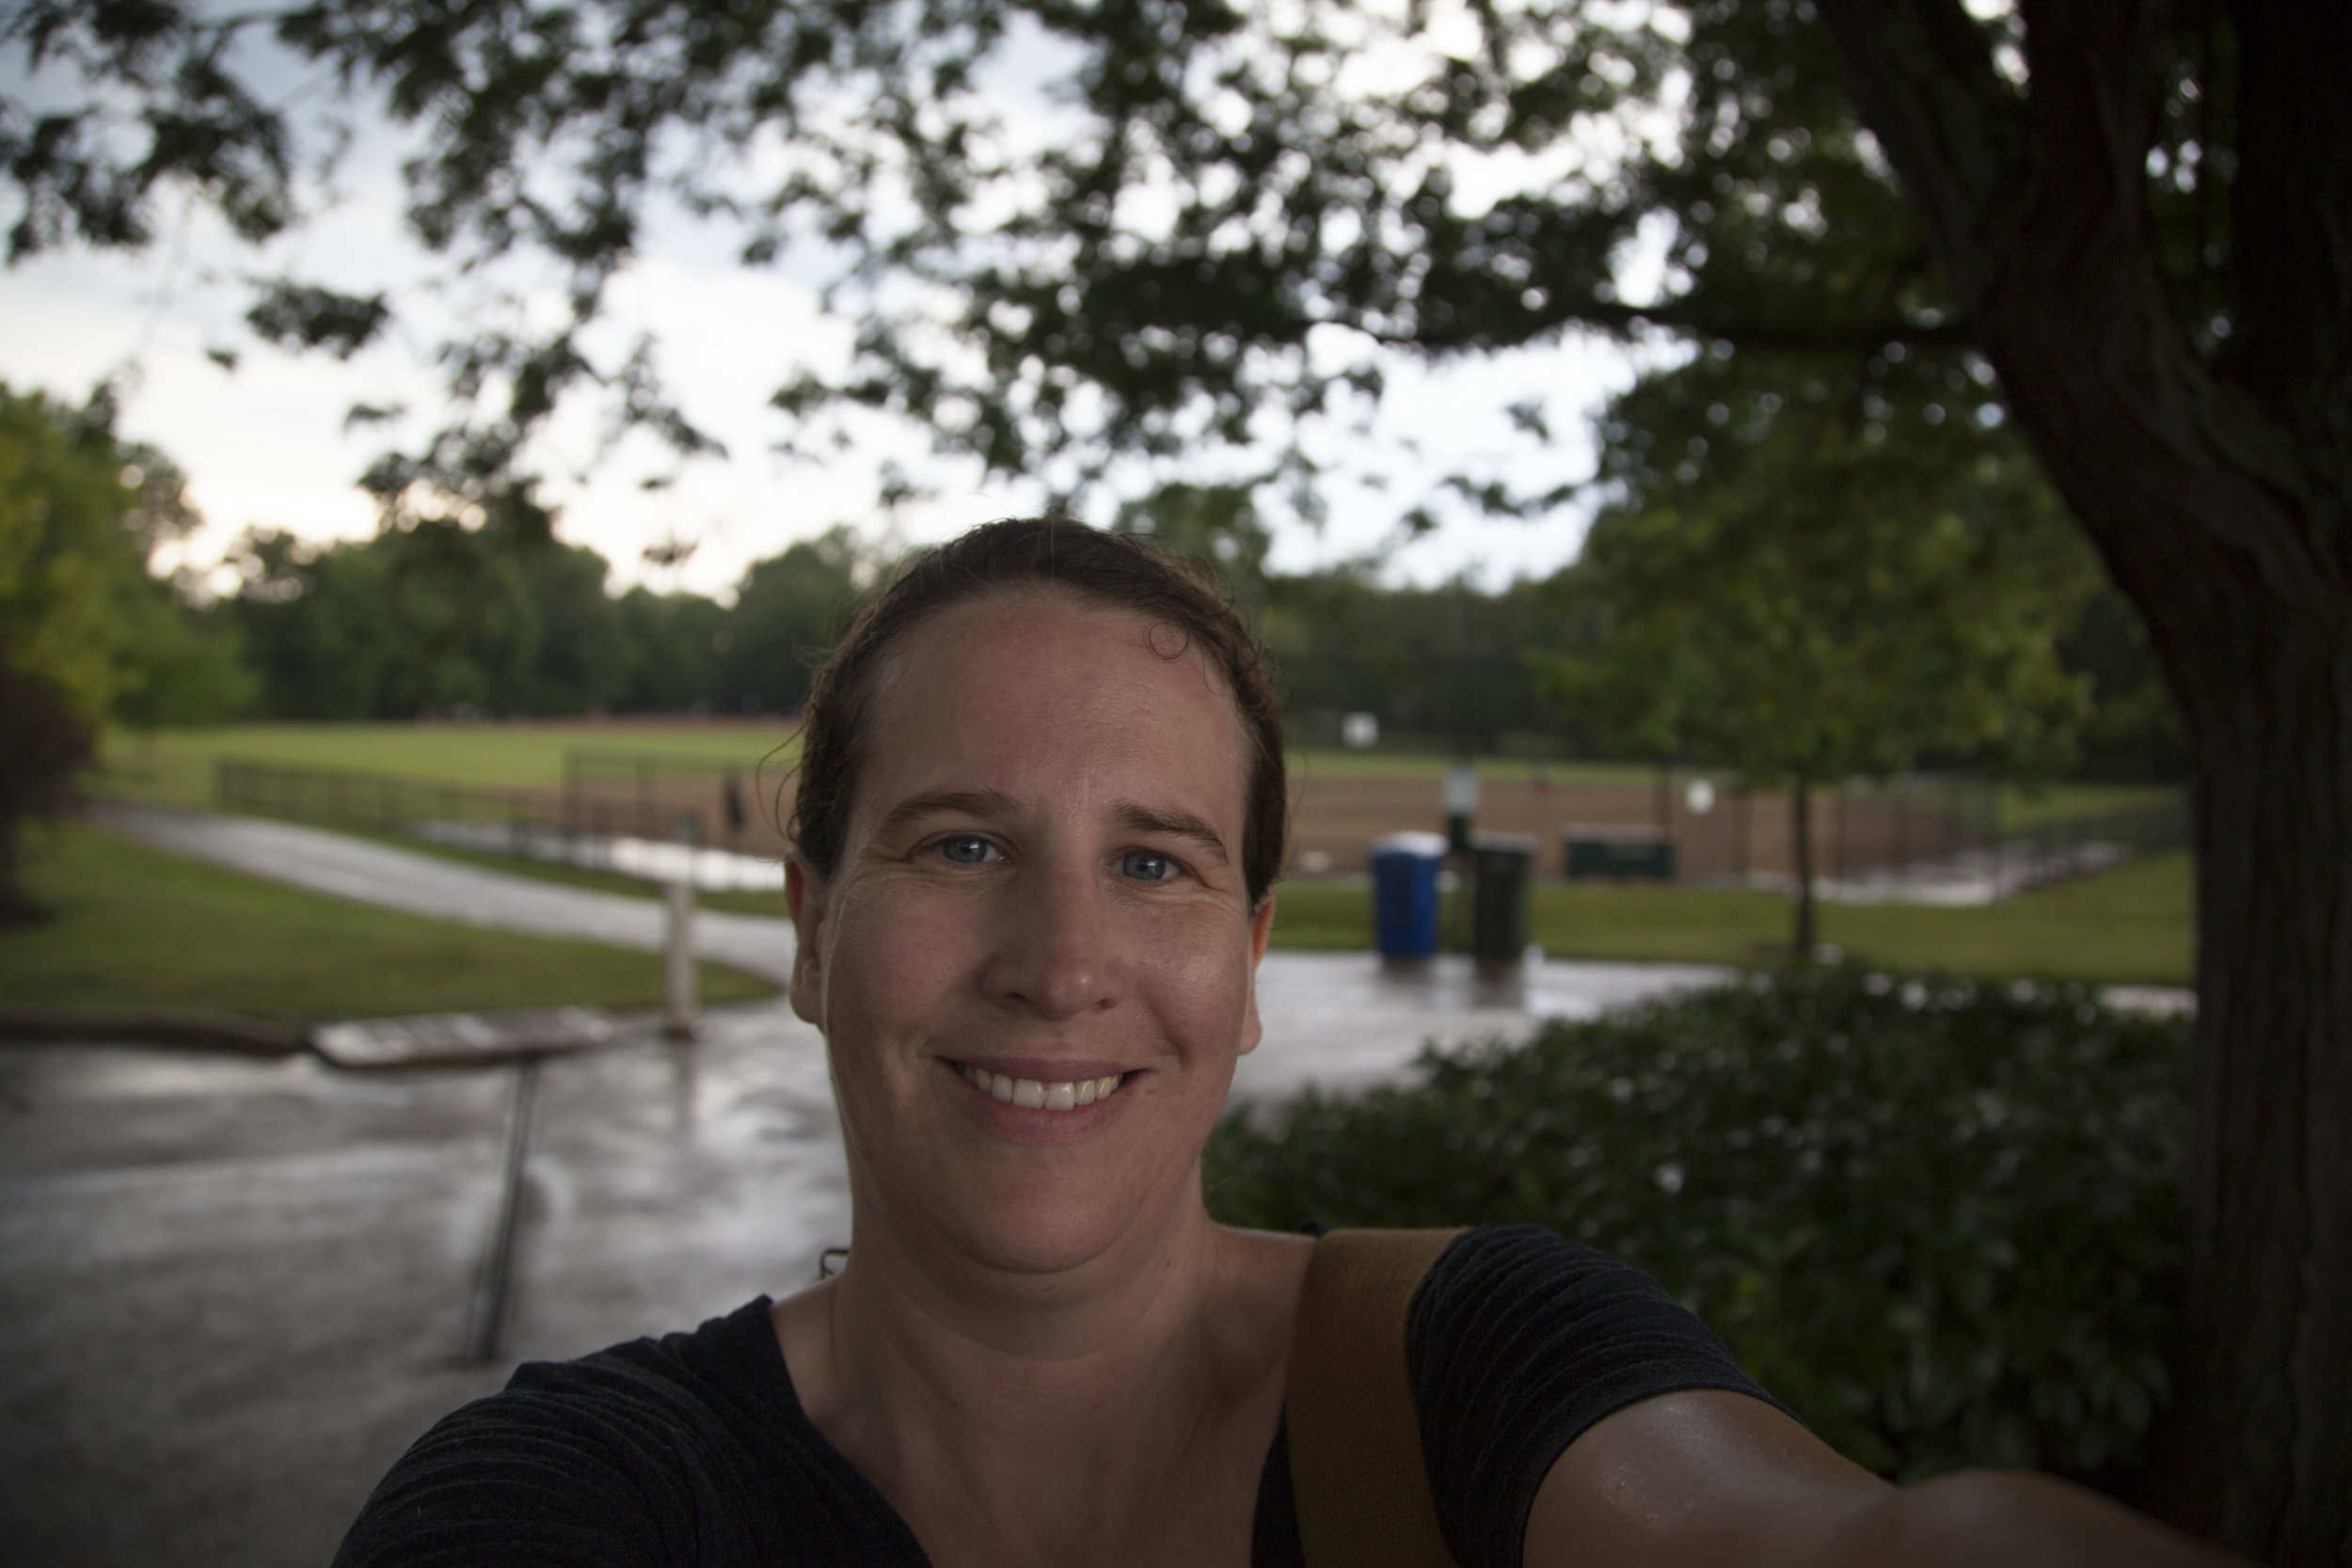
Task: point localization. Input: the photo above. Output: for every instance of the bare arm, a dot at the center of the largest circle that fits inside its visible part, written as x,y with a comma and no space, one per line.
1721,1480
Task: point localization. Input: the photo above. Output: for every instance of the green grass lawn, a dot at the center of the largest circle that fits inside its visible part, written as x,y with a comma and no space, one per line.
175,766
2132,924
134,928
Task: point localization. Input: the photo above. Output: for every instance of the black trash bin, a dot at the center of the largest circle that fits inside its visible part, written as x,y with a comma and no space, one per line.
1502,873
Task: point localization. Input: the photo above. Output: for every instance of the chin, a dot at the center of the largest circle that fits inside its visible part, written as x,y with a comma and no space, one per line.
1051,1222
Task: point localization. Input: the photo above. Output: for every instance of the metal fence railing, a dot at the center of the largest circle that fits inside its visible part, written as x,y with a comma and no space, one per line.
720,800
383,802
604,795
2062,847
1871,836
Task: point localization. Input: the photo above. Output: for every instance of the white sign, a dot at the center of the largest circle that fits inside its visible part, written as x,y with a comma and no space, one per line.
1461,790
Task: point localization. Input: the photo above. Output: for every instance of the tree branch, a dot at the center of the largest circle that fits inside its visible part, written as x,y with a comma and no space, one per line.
1921,75
1785,336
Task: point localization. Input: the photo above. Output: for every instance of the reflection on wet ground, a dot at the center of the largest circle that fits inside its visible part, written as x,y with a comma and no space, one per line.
235,1289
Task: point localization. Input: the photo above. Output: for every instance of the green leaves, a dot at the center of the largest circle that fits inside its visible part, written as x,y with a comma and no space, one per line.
1938,1218
1814,570
1070,233
303,316
85,633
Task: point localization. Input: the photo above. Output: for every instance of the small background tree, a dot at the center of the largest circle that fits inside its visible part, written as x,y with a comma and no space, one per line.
85,633
1788,586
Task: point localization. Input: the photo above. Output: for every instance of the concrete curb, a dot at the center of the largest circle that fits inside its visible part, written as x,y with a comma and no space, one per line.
151,1027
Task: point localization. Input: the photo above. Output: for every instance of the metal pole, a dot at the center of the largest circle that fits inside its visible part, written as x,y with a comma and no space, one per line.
496,1282
678,961
1742,805
678,950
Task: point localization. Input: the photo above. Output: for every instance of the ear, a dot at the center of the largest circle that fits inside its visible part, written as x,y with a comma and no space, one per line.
805,894
1261,930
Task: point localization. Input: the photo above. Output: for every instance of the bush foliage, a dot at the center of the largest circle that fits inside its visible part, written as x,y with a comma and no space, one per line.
1938,1218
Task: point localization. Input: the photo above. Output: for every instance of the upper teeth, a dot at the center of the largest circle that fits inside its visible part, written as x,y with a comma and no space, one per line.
1036,1095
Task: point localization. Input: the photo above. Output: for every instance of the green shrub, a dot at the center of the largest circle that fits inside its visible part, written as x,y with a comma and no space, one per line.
1938,1218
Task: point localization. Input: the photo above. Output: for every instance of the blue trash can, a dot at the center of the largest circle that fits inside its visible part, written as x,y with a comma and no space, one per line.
1405,892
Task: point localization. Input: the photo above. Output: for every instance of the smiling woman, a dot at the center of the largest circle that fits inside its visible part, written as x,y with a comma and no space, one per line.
1039,820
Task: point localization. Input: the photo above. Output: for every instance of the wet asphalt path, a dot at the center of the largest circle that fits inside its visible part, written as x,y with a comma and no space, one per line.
235,1289
372,873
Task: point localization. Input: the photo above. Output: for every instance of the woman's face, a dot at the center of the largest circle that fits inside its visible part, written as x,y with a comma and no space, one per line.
1033,964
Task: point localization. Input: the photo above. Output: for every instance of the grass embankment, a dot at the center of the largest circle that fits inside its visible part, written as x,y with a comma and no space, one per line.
2133,925
134,928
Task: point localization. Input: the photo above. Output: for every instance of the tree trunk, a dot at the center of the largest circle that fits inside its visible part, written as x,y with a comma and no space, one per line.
2219,492
1801,833
2259,1448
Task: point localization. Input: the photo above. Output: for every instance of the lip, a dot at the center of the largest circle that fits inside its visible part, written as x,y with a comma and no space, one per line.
1023,1125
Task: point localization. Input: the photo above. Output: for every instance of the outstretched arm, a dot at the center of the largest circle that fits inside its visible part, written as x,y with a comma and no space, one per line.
1721,1480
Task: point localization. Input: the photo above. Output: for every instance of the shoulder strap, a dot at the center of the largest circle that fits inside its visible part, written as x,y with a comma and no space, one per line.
1355,1439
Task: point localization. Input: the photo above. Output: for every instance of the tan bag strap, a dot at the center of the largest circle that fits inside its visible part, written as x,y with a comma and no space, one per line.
1355,1439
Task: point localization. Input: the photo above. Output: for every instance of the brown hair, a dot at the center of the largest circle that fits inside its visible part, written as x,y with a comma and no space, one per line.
1117,570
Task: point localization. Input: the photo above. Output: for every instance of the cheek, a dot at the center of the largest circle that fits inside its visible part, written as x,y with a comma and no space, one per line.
884,946
1200,986
891,968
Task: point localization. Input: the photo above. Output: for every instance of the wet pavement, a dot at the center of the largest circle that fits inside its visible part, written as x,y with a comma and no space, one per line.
234,1290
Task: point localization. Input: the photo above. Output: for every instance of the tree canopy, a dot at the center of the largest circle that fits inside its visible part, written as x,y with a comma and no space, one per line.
1807,592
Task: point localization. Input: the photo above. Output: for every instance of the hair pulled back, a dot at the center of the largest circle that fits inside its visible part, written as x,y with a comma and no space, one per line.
1119,571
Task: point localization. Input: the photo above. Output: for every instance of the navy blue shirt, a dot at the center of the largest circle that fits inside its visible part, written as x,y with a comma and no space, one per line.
694,1450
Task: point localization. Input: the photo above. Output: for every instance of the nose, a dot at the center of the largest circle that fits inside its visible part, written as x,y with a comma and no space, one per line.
1056,955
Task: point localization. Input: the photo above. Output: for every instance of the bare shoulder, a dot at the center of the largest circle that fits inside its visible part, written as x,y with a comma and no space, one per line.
1723,1479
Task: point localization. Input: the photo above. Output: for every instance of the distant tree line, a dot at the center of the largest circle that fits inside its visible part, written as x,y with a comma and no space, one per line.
502,619
1478,671
497,617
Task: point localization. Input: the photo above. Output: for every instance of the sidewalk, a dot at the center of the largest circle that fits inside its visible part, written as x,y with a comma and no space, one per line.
372,873
1340,1019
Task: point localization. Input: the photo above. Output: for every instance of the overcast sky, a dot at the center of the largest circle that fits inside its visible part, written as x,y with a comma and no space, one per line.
264,442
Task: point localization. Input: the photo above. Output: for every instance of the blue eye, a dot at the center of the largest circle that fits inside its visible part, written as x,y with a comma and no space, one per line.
966,850
1145,866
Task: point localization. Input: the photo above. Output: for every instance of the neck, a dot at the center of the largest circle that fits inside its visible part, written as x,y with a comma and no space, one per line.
1013,1415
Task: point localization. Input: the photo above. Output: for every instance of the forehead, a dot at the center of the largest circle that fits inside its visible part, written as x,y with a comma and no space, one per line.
1044,678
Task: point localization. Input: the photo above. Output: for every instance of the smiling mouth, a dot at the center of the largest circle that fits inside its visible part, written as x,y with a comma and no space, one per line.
1041,1095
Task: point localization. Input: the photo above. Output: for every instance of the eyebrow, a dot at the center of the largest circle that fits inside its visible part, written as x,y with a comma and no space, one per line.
1174,824
1132,815
945,803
